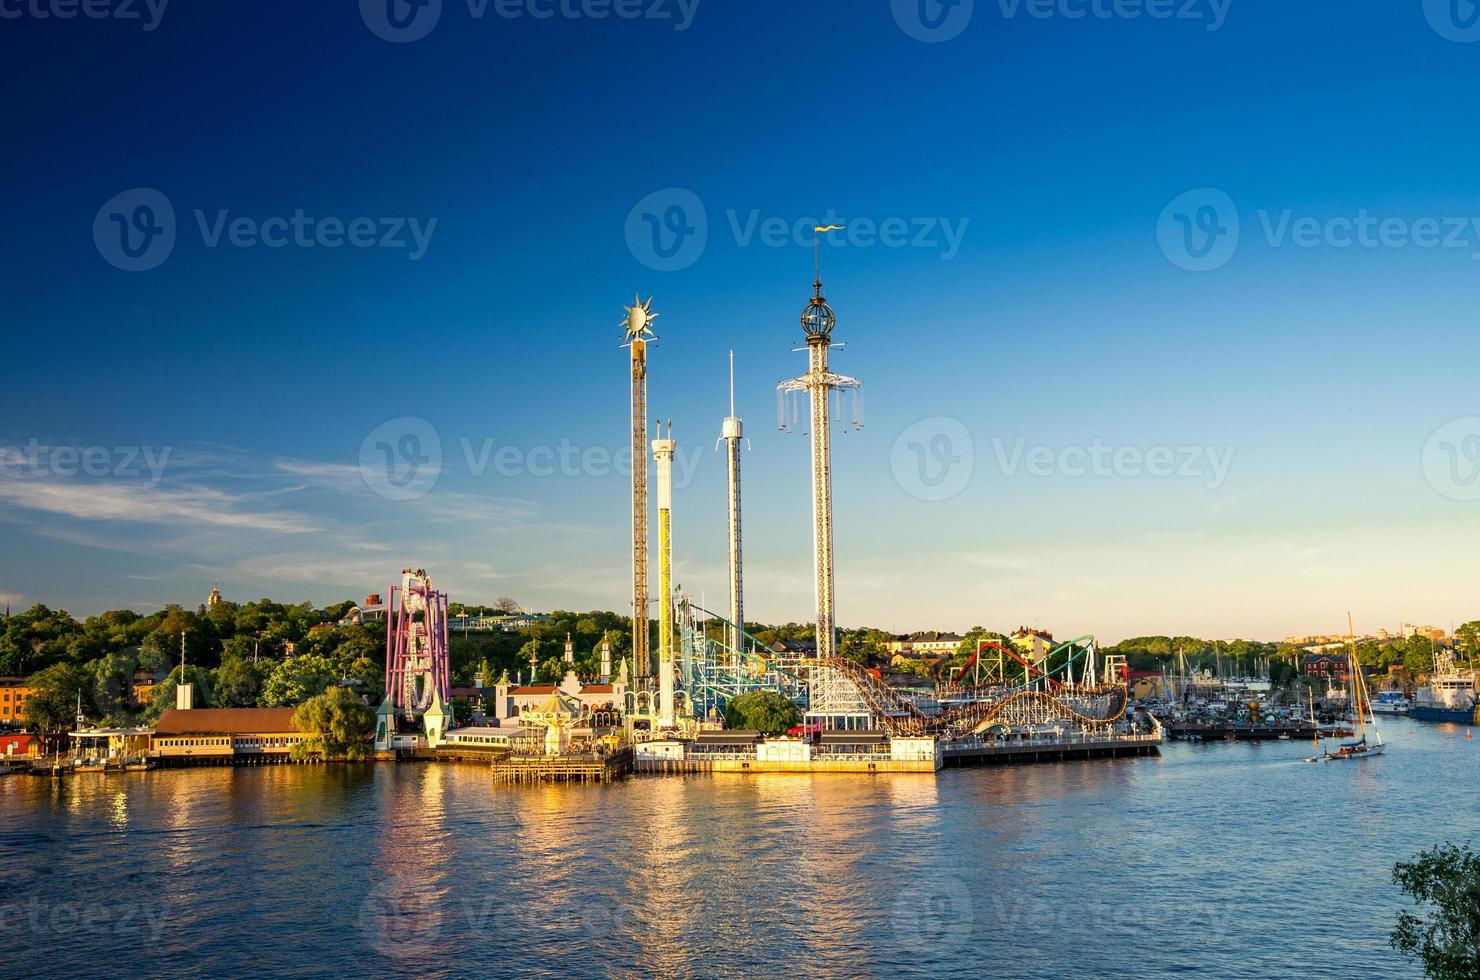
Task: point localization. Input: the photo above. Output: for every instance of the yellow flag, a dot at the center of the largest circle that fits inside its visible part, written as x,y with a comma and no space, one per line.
828,228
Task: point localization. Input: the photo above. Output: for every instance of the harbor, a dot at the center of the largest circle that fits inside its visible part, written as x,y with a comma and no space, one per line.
867,870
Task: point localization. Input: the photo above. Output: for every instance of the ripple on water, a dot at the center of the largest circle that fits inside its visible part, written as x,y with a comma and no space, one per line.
1212,860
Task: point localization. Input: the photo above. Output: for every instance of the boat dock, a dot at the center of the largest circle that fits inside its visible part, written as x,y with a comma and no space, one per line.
562,768
986,752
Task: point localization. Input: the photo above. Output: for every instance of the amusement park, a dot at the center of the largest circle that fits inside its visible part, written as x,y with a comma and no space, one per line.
662,708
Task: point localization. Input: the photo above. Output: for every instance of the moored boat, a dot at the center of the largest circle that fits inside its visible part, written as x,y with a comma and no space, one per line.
1450,695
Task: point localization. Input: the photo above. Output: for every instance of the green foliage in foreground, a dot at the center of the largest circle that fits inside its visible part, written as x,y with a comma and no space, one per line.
339,724
763,711
1446,937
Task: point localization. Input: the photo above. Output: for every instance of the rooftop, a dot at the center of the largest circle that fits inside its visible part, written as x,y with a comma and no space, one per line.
224,721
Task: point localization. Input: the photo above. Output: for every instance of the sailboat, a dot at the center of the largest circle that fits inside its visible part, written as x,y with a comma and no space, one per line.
1361,748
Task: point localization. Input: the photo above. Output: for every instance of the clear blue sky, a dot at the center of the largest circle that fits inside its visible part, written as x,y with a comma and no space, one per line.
1051,144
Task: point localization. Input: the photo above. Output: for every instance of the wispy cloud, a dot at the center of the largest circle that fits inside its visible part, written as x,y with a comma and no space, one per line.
193,506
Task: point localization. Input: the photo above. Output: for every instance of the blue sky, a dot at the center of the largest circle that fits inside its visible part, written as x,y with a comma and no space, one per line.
1311,396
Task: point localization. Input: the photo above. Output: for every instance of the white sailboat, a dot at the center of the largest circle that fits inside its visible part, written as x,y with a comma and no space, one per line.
1361,748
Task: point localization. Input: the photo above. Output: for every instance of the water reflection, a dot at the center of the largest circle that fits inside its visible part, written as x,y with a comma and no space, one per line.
1192,863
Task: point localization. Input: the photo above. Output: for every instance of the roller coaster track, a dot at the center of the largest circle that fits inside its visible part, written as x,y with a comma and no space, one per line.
1091,707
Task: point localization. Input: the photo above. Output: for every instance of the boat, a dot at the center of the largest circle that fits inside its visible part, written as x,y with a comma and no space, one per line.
1361,748
1450,695
1390,703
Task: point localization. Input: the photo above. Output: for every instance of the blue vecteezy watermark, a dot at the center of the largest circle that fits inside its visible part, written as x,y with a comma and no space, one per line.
146,13
933,21
667,230
1199,230
401,459
135,229
1451,459
402,21
1454,20
933,459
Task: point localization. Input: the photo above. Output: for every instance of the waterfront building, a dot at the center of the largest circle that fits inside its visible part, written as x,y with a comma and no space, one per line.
225,733
510,701
13,694
1327,665
20,745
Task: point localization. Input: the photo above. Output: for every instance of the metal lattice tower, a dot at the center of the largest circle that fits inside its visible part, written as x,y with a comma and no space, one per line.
819,383
732,434
640,316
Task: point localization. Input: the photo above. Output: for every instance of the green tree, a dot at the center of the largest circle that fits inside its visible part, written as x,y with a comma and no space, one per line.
1467,639
762,711
238,683
292,682
1446,937
338,724
52,706
113,675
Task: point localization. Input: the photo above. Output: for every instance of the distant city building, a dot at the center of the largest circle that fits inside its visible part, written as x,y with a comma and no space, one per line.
508,622
1435,633
922,644
371,610
1327,665
144,685
214,599
1035,642
13,694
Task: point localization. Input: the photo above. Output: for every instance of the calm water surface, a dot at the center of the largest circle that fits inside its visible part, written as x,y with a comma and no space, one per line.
1219,860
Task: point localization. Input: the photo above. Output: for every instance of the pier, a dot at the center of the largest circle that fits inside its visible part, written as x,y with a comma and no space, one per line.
562,768
988,752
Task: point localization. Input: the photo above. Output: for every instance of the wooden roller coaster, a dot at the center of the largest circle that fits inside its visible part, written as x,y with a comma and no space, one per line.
1092,707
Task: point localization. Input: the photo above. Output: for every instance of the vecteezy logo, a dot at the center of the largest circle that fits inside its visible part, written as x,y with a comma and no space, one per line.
401,459
1451,459
934,915
399,920
400,21
1454,20
933,459
135,230
668,229
1198,231
933,21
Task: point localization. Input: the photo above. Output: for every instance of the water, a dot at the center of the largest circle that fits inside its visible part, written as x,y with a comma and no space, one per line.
1215,860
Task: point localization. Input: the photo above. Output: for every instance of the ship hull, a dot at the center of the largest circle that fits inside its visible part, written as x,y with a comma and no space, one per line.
1457,716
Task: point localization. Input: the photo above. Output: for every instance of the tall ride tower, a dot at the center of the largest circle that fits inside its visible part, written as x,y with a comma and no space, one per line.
732,434
638,323
819,383
663,458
